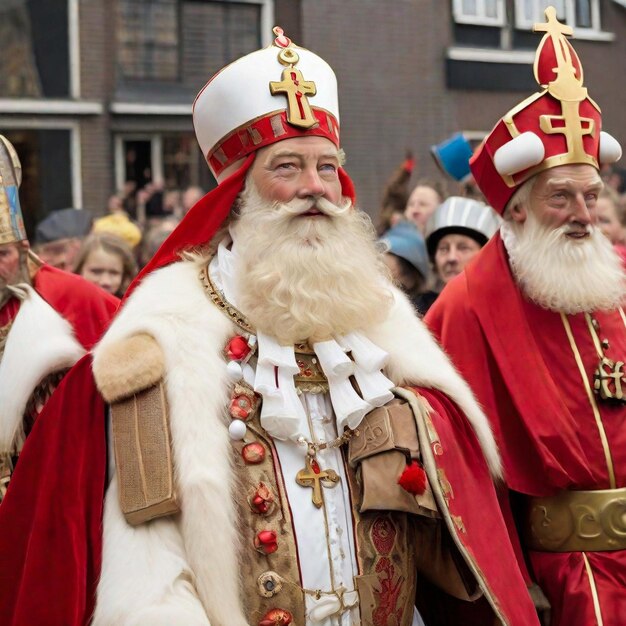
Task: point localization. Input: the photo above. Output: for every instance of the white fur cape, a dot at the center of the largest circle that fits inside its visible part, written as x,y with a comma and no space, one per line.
184,570
40,342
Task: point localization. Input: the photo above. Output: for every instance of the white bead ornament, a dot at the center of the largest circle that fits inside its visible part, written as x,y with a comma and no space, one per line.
237,430
234,371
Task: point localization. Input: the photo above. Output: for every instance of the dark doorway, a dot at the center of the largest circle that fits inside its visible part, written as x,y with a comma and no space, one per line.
138,161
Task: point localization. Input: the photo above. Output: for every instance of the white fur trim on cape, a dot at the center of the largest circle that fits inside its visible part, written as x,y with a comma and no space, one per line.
40,342
415,358
160,563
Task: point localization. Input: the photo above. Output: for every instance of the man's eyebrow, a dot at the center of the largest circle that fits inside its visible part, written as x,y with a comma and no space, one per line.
567,182
285,153
296,155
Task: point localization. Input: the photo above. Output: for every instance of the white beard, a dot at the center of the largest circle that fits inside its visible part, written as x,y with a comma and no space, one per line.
308,278
562,274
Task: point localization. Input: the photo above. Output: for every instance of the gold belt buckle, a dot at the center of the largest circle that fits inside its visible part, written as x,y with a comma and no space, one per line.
577,521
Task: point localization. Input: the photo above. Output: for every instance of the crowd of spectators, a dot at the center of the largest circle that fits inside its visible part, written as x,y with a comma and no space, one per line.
432,229
110,250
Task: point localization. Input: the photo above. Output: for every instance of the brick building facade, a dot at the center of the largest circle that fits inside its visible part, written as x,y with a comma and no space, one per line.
94,92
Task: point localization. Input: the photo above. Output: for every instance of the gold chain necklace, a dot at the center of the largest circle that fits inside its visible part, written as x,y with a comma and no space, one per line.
217,297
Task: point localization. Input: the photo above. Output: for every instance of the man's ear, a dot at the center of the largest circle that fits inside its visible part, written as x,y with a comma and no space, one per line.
518,213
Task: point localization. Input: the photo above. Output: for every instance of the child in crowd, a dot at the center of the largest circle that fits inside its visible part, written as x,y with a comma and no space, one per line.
107,261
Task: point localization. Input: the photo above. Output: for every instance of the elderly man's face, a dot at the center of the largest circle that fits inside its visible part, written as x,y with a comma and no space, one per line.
60,253
9,262
300,167
565,196
453,253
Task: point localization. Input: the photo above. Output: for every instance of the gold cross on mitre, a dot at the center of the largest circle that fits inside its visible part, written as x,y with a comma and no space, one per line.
293,85
566,87
313,476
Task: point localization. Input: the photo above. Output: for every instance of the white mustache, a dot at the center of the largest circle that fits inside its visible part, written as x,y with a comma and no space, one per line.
577,229
299,206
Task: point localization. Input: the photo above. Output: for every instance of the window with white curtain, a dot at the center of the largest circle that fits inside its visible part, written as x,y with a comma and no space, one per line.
479,12
579,14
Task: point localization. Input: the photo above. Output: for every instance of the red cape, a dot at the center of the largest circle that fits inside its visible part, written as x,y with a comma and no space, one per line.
480,322
480,530
51,517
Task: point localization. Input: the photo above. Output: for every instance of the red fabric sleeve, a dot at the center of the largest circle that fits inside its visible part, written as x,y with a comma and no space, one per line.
50,544
84,305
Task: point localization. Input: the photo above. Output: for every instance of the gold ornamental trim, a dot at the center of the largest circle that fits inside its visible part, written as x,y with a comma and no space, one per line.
577,521
592,401
594,591
430,466
218,299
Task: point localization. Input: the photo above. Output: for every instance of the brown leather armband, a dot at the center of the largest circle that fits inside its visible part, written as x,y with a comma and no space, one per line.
143,456
386,441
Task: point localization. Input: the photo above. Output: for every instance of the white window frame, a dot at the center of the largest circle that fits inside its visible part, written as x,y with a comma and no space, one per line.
75,149
460,17
570,15
156,155
267,18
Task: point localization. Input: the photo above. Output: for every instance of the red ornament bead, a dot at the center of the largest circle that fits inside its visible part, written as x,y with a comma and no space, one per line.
240,407
276,617
237,348
262,502
265,542
253,453
315,466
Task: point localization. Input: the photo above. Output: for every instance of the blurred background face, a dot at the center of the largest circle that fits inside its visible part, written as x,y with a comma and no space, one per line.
453,253
13,268
608,220
59,253
421,205
104,269
9,262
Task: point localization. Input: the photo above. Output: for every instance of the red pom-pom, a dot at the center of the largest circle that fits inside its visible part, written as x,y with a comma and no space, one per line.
413,479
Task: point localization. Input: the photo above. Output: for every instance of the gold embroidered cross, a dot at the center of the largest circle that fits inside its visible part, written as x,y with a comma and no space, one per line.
607,380
313,476
296,89
567,87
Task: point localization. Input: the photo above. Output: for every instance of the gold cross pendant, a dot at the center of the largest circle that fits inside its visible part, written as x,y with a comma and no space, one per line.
312,475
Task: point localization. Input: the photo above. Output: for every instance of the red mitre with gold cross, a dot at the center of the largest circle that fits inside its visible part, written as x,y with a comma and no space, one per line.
560,125
276,93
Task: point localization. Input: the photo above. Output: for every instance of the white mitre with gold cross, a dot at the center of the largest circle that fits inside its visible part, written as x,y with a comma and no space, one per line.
278,92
